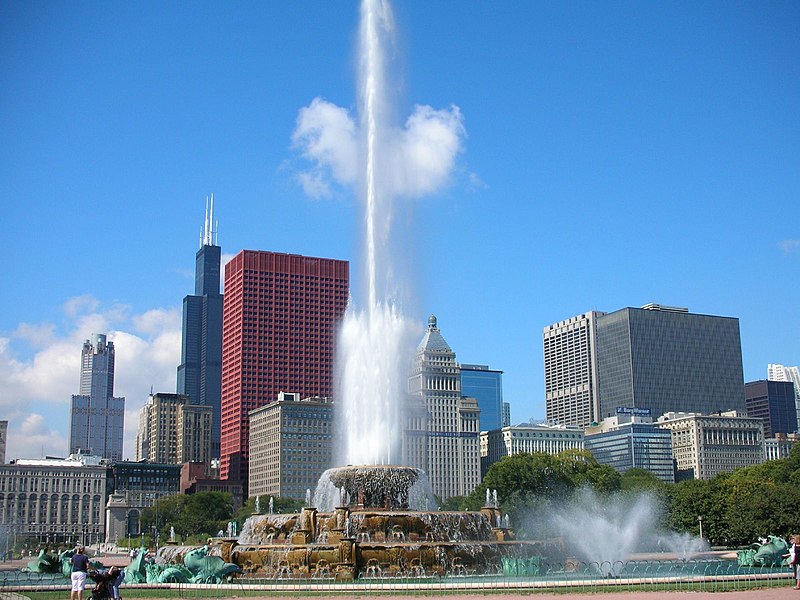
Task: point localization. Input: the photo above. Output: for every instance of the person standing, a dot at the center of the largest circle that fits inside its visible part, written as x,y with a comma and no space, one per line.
80,565
794,560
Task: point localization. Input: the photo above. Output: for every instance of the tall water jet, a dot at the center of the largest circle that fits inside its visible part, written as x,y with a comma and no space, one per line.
374,341
383,161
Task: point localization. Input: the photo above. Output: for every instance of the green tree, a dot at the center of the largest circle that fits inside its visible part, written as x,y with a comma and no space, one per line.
199,515
694,499
641,480
583,470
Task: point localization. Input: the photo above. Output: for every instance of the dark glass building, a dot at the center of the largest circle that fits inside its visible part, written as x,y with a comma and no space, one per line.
634,445
773,403
200,371
668,360
486,386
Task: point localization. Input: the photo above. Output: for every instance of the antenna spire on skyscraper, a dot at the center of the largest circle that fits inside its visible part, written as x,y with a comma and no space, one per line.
208,234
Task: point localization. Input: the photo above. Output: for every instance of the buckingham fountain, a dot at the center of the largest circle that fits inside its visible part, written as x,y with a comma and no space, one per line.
375,529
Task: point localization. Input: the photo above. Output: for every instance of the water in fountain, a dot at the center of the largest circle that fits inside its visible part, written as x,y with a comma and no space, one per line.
683,545
605,531
374,343
401,487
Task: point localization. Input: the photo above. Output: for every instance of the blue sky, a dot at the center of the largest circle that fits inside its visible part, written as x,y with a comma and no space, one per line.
616,153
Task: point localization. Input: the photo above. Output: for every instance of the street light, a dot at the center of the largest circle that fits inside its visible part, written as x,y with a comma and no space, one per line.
700,520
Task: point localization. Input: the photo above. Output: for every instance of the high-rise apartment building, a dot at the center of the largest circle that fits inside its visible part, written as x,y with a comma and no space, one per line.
570,370
97,418
658,358
173,431
486,386
453,450
291,445
773,403
278,334
200,371
783,373
706,445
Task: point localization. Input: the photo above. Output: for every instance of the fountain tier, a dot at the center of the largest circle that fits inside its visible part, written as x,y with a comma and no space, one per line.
372,532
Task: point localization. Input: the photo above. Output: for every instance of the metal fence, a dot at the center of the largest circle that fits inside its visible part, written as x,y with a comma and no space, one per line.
576,577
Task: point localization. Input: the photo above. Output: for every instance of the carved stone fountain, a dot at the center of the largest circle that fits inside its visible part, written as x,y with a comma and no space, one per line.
375,528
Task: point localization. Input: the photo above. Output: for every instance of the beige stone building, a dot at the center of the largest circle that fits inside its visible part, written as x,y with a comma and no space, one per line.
706,445
453,425
291,445
172,431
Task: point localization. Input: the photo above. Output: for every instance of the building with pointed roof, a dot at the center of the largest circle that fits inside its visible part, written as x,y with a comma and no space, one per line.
451,434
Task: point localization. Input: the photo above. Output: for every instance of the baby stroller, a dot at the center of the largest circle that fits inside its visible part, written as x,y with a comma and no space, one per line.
104,580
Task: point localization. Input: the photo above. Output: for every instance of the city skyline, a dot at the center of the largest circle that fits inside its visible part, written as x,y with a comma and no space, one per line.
613,156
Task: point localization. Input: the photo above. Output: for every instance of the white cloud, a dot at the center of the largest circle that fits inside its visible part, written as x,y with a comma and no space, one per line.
417,158
79,304
40,371
789,246
427,150
326,136
38,438
476,183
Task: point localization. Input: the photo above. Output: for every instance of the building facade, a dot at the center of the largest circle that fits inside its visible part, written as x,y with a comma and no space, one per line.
97,418
777,372
3,436
632,441
279,326
195,479
173,431
774,403
486,386
55,501
453,425
291,445
506,414
528,438
668,360
570,370
779,446
134,487
706,445
200,371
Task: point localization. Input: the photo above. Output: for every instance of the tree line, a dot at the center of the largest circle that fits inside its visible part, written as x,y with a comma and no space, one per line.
736,508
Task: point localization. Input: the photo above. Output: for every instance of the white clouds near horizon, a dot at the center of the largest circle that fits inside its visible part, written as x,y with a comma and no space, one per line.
40,370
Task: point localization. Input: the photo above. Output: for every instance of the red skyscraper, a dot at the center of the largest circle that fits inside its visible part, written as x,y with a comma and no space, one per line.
279,322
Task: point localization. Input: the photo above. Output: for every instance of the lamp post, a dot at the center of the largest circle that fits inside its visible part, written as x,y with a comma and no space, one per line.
700,520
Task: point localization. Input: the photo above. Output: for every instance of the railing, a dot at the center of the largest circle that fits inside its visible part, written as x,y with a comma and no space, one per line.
539,576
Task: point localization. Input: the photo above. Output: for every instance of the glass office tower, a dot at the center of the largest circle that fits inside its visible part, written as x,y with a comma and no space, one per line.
486,386
668,360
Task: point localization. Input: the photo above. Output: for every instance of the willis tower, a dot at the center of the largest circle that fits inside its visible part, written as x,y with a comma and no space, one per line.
200,371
